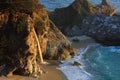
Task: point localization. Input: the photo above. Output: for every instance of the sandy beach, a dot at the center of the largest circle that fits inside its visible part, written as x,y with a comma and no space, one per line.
49,70
49,73
82,42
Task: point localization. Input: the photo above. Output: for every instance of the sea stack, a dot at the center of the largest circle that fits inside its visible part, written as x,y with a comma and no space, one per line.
105,8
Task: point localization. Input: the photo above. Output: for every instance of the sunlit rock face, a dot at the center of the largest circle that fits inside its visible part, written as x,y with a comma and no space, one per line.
19,48
67,17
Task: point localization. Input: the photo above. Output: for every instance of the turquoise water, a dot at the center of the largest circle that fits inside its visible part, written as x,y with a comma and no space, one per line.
102,62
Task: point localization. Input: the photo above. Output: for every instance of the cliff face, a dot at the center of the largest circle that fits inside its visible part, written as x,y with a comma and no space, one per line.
23,36
72,15
69,19
104,29
105,8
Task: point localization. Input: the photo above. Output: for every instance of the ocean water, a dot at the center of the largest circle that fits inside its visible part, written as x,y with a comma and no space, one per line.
98,62
52,4
104,62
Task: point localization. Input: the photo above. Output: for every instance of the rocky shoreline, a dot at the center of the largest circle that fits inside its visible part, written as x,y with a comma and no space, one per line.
100,22
29,35
104,29
50,71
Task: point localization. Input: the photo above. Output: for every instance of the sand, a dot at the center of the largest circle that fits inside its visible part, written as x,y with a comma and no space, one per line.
49,73
82,43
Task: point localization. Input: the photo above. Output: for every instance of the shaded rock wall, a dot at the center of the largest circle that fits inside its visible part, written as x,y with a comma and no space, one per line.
104,29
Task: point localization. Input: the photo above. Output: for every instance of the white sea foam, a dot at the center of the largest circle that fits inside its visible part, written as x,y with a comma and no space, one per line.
100,55
76,72
114,49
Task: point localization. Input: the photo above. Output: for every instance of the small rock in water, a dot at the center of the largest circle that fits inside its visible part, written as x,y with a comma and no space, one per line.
77,64
75,40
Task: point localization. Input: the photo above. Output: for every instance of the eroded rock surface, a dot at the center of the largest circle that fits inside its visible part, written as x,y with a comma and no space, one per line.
104,29
24,35
66,18
105,8
69,19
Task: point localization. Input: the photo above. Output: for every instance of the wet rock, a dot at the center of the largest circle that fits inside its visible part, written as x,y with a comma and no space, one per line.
77,64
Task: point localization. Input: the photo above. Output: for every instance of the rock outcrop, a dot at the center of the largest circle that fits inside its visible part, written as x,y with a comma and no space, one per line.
69,19
104,29
105,8
66,17
25,35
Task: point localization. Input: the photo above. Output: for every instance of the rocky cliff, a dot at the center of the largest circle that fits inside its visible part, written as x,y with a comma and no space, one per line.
105,8
104,29
66,17
26,36
69,19
83,18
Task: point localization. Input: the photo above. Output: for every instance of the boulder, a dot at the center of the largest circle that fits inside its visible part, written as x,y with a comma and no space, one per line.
77,64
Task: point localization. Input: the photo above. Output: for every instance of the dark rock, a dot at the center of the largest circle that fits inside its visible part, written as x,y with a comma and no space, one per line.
69,19
66,18
77,64
83,18
104,29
